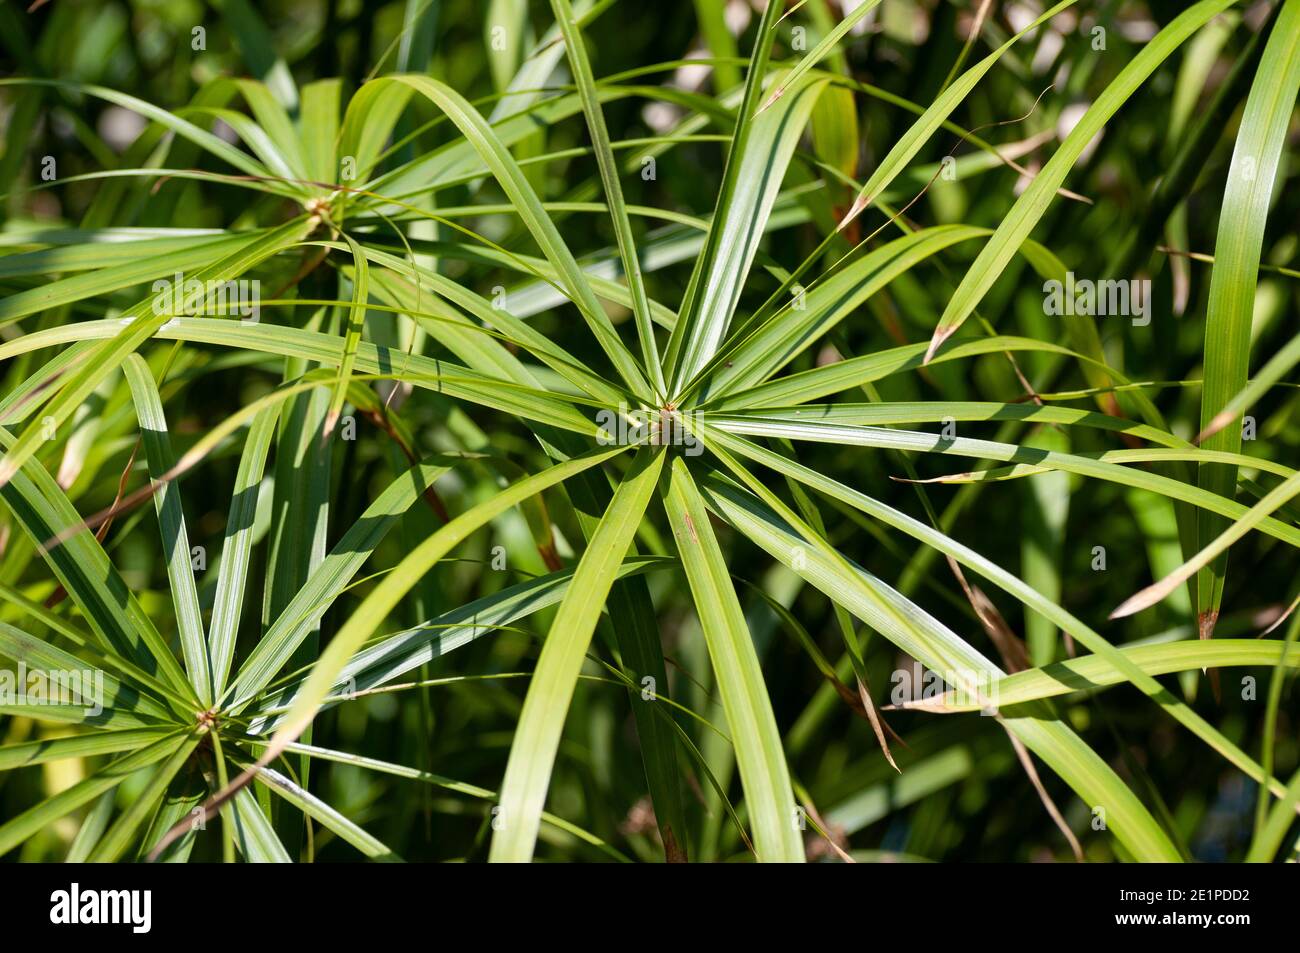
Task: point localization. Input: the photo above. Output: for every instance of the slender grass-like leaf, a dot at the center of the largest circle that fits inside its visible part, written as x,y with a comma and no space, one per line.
576,49
700,330
1033,202
383,661
236,548
768,797
300,614
376,606
19,828
1235,531
254,834
1091,672
459,787
171,521
140,323
27,753
326,815
819,52
932,118
71,682
793,428
1032,599
537,737
512,180
83,568
1255,161
352,338
120,833
942,651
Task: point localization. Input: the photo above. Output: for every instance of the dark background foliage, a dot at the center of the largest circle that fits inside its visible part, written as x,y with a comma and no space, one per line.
962,795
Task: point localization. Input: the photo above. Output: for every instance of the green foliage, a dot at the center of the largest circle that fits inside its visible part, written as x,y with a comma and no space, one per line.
569,469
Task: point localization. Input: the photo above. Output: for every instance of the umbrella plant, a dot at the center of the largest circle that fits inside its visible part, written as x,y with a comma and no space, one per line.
419,352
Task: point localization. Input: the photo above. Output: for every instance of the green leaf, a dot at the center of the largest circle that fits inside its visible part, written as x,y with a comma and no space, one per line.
258,48
739,677
83,568
1252,173
399,581
150,260
423,372
507,172
699,330
381,662
27,753
327,581
319,128
756,166
1091,672
717,38
1042,546
941,650
911,142
237,546
459,787
853,372
609,177
68,677
752,356
352,338
138,324
171,521
1010,583
24,825
269,105
119,835
541,722
187,130
1033,202
1239,528
828,431
326,815
254,834
819,52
